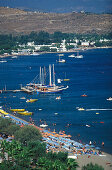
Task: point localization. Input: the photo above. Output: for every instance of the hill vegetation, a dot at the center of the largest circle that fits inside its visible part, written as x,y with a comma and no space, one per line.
16,21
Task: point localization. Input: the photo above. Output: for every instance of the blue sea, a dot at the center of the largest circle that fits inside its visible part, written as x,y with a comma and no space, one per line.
91,75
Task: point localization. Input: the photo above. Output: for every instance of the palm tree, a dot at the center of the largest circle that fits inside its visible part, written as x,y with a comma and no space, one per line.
71,164
36,150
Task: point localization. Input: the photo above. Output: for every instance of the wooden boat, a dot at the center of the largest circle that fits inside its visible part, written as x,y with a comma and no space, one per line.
46,87
31,100
25,113
17,110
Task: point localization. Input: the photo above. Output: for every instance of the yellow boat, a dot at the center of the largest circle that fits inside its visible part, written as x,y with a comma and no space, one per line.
66,79
17,110
3,112
31,100
25,113
80,109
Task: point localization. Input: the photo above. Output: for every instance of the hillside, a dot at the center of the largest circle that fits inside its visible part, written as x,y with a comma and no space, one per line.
16,21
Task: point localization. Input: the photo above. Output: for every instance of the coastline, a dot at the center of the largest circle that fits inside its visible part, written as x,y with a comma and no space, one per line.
104,159
70,51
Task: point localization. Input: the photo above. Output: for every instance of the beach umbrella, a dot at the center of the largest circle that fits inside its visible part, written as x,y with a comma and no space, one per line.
87,145
92,146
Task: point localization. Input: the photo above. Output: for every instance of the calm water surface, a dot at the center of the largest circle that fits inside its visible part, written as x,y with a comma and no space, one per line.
91,75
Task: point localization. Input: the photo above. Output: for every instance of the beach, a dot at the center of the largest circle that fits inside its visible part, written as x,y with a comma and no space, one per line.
52,140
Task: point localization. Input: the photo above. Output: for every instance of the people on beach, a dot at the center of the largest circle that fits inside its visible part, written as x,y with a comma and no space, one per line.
102,143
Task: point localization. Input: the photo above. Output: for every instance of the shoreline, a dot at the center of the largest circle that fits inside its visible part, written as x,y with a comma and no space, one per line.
104,159
70,51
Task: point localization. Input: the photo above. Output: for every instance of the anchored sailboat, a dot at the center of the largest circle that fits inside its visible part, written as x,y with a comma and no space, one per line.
51,87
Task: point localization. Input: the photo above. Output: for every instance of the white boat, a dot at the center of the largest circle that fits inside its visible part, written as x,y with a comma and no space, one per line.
43,125
3,61
23,98
110,98
34,53
72,56
80,108
76,56
14,57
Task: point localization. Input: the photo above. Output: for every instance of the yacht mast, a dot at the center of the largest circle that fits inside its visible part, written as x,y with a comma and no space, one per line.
40,76
50,75
53,76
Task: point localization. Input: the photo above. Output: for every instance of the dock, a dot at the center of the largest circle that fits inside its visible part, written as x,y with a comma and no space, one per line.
24,89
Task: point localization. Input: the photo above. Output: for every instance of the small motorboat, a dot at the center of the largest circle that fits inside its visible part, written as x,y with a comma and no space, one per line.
84,95
3,61
39,109
43,125
31,100
14,57
72,56
81,109
58,98
23,98
88,126
110,98
66,79
56,113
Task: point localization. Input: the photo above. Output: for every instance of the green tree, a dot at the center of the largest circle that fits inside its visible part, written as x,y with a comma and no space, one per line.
36,150
71,164
4,123
11,129
27,134
53,50
44,48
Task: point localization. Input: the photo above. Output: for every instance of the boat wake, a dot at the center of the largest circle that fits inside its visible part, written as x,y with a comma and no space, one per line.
96,109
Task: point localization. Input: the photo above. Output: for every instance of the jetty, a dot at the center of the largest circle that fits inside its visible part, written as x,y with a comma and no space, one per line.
27,90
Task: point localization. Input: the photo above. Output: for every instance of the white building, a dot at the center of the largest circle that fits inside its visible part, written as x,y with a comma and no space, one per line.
85,43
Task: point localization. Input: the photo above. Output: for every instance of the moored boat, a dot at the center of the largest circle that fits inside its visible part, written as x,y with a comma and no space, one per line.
110,98
72,56
3,112
31,100
41,87
25,113
17,110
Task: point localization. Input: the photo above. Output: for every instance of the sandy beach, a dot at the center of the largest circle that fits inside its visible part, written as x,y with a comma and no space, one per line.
104,161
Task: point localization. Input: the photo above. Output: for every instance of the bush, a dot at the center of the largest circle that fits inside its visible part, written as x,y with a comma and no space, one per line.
92,167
